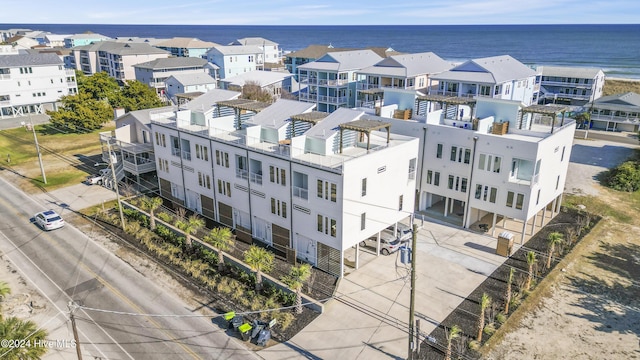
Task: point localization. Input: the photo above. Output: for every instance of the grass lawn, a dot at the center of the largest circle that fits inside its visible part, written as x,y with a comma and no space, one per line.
66,157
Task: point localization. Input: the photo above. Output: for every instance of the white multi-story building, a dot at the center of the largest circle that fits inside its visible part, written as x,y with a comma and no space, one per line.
404,71
511,161
330,82
189,83
310,185
114,58
83,39
271,52
568,85
499,77
186,47
33,83
619,112
234,60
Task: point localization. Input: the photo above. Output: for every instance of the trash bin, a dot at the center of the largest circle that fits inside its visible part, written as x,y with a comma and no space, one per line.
505,244
245,331
263,337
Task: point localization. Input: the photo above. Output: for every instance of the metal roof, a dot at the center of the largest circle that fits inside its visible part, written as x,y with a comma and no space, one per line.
30,60
209,99
409,65
172,62
569,71
343,61
276,115
447,99
489,70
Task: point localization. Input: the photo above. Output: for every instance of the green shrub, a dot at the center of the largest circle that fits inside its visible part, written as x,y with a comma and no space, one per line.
165,217
501,318
624,177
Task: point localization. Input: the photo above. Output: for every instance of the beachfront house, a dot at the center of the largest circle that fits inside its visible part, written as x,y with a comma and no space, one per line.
32,83
283,175
185,47
568,85
154,73
330,82
619,112
404,71
235,59
499,77
271,52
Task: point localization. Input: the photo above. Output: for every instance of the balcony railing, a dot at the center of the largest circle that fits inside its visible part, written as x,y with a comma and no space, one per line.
335,82
5,76
308,80
157,84
175,151
186,155
255,178
242,174
142,168
333,99
300,192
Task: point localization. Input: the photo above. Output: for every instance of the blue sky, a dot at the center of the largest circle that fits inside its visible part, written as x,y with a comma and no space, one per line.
324,12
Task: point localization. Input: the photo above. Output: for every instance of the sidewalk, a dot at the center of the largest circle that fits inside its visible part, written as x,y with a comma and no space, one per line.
369,316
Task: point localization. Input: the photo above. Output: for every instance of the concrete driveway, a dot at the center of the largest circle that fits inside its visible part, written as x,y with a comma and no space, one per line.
369,316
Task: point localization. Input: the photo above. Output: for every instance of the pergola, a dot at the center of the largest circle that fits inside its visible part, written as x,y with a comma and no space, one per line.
364,126
239,105
446,100
313,118
549,110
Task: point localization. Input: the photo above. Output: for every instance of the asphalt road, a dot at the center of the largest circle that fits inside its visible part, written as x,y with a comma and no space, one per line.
66,265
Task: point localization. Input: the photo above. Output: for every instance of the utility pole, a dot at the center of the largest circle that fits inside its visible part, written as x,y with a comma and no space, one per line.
72,308
412,307
115,184
35,138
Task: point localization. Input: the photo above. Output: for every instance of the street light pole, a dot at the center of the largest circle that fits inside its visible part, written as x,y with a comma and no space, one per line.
414,240
35,138
115,185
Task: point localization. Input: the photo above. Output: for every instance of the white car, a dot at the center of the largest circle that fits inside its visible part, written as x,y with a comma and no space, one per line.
388,244
49,220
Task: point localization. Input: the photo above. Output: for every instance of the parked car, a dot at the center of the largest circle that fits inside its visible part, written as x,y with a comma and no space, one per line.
49,220
404,233
99,178
388,243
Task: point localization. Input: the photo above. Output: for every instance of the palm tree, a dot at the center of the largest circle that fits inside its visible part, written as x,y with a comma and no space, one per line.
507,294
453,333
151,205
553,239
222,240
4,291
485,301
190,226
259,260
531,260
14,328
296,278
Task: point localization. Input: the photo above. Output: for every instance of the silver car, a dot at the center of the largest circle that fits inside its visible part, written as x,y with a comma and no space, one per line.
387,243
49,220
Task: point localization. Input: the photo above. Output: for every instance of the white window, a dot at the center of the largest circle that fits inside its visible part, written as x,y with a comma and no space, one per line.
202,152
224,188
279,208
277,175
326,190
222,158
204,180
326,225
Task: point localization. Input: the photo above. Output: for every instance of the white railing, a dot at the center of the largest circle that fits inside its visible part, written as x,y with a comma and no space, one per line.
255,178
300,192
186,155
5,76
242,174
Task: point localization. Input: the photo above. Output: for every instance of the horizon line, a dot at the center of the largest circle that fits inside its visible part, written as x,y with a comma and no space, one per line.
147,24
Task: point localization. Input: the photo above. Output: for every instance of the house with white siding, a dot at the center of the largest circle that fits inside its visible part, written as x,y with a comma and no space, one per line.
154,73
568,85
271,81
619,112
499,77
403,71
234,60
188,83
186,47
32,83
330,82
271,52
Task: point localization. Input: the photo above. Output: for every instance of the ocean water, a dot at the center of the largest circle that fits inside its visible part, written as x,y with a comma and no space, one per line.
614,48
